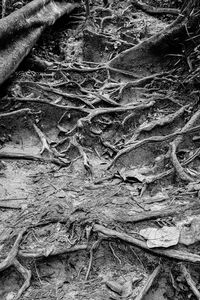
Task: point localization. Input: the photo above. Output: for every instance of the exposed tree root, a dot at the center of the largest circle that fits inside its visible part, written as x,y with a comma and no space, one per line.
154,10
45,145
27,276
190,281
19,112
174,145
160,122
9,260
25,156
175,254
26,25
101,111
152,140
41,101
149,215
69,96
148,284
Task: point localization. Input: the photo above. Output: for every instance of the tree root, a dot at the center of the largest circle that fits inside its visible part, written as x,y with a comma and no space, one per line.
11,260
100,111
155,10
154,139
27,276
45,145
86,162
148,284
174,145
170,253
95,69
161,122
190,281
19,112
63,107
149,215
25,156
69,96
21,29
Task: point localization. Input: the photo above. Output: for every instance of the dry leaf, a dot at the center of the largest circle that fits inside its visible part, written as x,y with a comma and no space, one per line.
127,289
161,237
114,286
132,175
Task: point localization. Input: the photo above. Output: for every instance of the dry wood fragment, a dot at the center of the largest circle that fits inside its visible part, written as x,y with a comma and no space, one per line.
148,284
190,281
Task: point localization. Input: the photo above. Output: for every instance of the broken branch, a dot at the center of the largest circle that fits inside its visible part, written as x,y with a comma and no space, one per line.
148,284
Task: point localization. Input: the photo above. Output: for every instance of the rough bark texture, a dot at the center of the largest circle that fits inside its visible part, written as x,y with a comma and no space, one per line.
20,31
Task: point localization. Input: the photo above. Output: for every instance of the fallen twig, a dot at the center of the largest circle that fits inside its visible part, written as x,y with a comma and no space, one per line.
22,111
175,254
148,284
190,281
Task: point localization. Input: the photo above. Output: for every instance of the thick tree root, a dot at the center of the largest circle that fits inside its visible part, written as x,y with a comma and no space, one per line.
21,29
154,139
174,145
27,276
160,122
155,10
170,253
11,260
148,284
101,111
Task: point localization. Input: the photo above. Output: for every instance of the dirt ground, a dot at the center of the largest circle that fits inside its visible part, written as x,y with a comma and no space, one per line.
65,167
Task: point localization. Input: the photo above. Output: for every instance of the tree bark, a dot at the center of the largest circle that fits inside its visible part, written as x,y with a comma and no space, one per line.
21,29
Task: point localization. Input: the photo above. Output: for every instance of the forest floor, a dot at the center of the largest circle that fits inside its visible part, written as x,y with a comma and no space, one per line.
85,165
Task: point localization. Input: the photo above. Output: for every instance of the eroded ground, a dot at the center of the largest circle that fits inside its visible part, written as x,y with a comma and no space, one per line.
83,116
